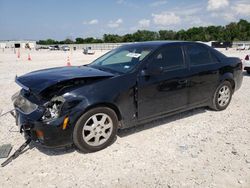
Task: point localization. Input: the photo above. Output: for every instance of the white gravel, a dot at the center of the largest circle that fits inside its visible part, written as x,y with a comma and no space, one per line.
198,148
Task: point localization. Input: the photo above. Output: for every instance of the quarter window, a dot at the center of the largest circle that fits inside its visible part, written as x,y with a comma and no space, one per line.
198,55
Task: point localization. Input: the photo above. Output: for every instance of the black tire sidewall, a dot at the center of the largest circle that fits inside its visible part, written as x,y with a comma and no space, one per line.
216,95
77,133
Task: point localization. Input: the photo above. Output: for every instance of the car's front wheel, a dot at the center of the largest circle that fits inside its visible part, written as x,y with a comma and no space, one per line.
95,129
222,96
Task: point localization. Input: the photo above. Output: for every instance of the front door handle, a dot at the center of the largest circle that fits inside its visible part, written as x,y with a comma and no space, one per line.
182,82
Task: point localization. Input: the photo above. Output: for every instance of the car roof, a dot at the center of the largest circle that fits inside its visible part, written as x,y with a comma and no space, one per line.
156,44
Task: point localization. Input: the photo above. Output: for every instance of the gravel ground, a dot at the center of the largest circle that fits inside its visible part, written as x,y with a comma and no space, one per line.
198,148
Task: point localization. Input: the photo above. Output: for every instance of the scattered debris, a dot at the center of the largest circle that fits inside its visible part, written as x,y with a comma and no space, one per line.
240,181
234,151
194,155
183,147
5,150
17,153
10,111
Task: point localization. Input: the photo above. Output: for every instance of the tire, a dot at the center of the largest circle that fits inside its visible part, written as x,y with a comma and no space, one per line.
222,100
248,72
95,130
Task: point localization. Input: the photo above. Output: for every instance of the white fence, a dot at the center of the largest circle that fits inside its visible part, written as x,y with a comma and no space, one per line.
97,46
110,46
236,43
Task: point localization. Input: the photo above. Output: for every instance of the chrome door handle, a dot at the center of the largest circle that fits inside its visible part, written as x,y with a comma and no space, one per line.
182,81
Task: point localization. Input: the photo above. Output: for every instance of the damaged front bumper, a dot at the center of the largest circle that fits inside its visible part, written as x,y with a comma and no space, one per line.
54,132
50,133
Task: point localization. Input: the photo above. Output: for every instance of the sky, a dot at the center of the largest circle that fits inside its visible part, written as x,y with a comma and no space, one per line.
61,19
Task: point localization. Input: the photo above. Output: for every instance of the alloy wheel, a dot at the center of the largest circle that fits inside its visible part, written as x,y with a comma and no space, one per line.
224,95
97,129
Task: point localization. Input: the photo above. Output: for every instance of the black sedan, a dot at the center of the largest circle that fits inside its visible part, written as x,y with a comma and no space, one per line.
130,85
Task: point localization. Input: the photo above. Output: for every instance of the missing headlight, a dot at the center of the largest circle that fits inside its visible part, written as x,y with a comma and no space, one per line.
53,108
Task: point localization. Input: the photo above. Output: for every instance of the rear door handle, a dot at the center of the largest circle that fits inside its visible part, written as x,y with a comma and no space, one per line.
182,81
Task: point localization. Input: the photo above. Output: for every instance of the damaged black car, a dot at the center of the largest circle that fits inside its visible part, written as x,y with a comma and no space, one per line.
133,84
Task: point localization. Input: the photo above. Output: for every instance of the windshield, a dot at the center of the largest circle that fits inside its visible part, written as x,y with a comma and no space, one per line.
123,59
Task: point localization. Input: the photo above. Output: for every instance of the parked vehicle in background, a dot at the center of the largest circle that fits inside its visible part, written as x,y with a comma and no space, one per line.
243,47
88,50
65,48
42,48
54,47
246,63
130,85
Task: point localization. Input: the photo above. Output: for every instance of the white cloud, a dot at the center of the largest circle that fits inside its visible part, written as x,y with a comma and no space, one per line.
158,3
237,10
217,4
127,3
115,24
144,23
225,15
95,21
242,9
166,19
228,16
120,1
189,11
91,22
195,21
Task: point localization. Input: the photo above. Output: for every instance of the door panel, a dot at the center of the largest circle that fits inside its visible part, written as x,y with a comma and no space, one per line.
166,91
203,82
162,93
204,74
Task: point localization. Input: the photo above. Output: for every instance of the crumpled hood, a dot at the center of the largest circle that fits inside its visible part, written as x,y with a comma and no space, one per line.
38,81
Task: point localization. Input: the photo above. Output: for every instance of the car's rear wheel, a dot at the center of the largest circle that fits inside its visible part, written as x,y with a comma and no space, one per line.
96,129
222,96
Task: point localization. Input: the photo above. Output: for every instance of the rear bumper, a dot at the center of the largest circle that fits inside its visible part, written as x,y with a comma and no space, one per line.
238,80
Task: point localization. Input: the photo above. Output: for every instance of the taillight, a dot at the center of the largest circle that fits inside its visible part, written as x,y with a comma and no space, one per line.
247,57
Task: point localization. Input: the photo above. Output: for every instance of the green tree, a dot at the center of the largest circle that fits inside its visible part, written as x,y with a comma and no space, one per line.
145,35
231,32
79,40
112,38
128,38
167,35
68,41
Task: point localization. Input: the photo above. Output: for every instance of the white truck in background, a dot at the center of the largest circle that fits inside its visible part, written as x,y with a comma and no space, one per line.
88,50
242,47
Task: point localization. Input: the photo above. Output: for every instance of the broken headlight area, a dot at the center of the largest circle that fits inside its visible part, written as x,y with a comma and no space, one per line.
53,108
23,104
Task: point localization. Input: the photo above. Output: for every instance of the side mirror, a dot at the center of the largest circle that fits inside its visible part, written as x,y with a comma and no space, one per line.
150,71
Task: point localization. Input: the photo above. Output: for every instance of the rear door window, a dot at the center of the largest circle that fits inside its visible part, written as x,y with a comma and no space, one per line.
198,55
169,57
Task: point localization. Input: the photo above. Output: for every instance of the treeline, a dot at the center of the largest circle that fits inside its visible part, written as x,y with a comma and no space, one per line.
235,31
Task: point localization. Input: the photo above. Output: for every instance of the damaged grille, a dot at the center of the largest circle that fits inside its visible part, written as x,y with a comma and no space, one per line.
23,104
